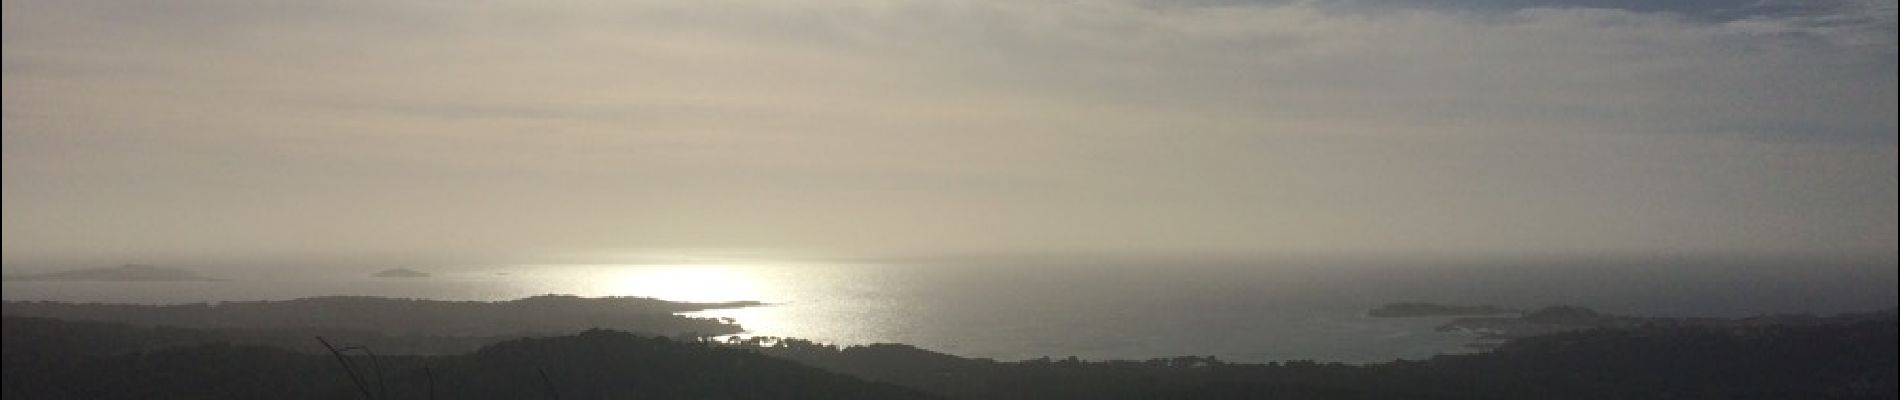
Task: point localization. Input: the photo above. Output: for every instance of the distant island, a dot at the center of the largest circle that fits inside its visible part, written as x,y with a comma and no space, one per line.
123,273
400,273
1422,309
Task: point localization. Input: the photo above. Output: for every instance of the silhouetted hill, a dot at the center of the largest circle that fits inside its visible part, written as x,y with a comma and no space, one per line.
113,338
40,364
1849,356
539,315
213,371
606,364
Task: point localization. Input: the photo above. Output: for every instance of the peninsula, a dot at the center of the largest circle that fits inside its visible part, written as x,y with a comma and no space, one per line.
532,316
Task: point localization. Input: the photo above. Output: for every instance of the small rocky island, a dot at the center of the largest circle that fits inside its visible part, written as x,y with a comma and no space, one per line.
400,273
123,273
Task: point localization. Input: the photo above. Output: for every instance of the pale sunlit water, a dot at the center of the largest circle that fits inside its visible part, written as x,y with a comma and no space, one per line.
1015,310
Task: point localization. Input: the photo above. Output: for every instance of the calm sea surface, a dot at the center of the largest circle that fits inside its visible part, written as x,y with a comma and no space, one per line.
1236,310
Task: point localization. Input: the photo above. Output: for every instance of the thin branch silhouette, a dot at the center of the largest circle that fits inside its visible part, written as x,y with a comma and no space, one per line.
549,383
382,387
430,376
348,369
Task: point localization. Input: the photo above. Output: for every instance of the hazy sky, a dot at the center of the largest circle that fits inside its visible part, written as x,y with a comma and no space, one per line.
187,129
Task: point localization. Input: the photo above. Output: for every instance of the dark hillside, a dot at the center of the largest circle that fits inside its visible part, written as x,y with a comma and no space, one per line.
45,360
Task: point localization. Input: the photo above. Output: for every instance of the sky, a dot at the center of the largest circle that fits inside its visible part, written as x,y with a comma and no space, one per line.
222,129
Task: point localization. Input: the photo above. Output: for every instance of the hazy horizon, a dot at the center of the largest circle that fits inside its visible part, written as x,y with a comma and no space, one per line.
223,131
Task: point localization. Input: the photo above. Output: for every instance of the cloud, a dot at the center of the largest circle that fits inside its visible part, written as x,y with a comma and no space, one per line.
949,125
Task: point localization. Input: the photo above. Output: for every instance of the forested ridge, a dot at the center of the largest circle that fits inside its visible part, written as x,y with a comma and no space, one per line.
1850,356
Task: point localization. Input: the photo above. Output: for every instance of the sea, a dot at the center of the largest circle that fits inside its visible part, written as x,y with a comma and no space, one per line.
1014,308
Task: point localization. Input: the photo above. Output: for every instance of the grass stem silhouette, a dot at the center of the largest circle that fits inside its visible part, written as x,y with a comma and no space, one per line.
348,369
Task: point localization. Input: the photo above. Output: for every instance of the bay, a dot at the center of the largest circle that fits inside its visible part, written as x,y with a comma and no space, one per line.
1134,308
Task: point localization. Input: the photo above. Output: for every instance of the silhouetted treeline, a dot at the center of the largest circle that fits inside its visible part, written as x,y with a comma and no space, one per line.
596,364
1850,356
539,315
1557,319
108,338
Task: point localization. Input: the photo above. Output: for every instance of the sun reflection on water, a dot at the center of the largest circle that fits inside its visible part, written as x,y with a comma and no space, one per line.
703,283
789,290
683,282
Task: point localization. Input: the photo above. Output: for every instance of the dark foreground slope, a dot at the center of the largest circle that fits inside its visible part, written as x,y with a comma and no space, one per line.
1842,357
606,364
42,364
1851,356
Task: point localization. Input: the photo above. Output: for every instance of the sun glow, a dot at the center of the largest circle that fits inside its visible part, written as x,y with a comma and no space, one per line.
776,284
